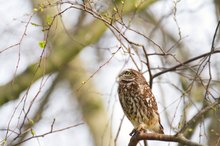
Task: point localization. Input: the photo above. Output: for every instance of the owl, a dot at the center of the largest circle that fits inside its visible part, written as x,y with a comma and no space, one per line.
138,102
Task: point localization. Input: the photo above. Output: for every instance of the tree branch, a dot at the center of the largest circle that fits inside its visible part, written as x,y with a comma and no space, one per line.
184,63
161,137
51,131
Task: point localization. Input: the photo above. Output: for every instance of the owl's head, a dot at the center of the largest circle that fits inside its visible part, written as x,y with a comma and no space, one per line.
130,75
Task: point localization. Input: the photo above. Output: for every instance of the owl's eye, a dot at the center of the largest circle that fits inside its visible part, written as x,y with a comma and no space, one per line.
128,73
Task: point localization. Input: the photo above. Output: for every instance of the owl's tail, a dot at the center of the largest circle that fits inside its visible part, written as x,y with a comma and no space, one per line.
161,129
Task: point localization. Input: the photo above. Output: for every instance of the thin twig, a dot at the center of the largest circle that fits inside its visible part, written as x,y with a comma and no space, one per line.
49,132
119,129
209,59
148,66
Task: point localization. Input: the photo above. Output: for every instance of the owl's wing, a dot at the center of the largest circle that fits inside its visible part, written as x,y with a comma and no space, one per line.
151,104
148,97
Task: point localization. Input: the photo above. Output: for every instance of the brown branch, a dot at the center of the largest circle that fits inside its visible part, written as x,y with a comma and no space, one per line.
214,37
148,66
184,63
161,137
209,60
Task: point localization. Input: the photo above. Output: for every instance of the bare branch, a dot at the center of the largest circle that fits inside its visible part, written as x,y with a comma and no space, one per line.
161,137
49,132
184,63
214,37
119,129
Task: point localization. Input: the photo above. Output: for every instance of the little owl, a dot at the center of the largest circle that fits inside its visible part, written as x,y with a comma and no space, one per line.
138,102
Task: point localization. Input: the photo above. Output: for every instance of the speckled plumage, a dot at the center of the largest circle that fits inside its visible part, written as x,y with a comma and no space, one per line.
138,102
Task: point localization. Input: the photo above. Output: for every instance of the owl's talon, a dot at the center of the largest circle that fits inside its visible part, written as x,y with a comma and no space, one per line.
133,132
136,131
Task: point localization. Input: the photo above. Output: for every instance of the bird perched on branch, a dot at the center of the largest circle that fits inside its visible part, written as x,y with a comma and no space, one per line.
138,102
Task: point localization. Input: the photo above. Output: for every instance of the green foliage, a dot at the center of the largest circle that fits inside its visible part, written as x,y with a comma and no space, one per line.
184,83
35,24
31,122
190,129
35,9
42,44
49,20
32,132
39,9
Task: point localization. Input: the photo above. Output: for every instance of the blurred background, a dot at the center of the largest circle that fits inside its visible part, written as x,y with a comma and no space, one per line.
59,62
